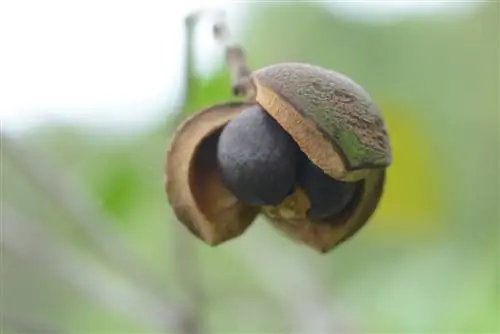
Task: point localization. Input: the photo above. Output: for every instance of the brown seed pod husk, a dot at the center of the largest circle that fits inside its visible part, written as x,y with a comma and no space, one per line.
323,236
332,119
192,182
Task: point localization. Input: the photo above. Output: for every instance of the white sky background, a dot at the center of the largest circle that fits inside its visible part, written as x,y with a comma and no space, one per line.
113,63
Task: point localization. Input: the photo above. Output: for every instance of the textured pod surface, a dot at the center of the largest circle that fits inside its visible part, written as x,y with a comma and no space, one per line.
192,182
333,119
257,158
291,218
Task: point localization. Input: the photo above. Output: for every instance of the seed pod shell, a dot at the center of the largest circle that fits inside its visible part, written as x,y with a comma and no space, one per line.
333,119
192,181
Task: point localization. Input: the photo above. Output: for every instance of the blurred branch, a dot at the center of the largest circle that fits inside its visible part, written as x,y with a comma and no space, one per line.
22,325
303,294
21,237
235,59
184,258
61,189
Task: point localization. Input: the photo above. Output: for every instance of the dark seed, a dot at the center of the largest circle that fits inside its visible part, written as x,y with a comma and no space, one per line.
328,196
257,158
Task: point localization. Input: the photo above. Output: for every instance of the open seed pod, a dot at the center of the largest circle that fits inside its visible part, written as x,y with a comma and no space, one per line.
309,150
342,134
192,182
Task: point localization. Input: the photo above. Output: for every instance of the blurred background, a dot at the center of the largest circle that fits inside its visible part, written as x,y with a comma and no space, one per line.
90,92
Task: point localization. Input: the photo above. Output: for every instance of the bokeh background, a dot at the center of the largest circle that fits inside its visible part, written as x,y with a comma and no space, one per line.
90,94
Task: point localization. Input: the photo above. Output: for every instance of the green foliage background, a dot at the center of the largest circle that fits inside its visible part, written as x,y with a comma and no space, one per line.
428,262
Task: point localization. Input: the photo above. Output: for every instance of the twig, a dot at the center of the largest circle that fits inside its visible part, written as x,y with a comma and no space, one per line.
57,184
185,259
23,325
235,59
20,237
302,293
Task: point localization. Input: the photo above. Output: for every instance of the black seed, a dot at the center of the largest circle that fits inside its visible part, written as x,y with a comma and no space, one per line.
328,196
257,158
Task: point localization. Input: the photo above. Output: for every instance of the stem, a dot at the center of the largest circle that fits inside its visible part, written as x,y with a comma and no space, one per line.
241,82
184,256
310,308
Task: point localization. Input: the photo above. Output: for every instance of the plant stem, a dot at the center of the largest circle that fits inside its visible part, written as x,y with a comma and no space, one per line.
236,61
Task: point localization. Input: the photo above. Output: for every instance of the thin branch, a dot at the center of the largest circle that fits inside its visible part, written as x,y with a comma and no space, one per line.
63,190
302,294
21,237
235,59
22,325
184,257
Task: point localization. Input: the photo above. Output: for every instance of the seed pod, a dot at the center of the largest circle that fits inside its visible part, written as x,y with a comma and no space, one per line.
257,158
331,120
192,180
338,127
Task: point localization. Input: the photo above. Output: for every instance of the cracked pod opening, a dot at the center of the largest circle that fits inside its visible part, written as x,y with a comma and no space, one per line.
291,218
192,182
